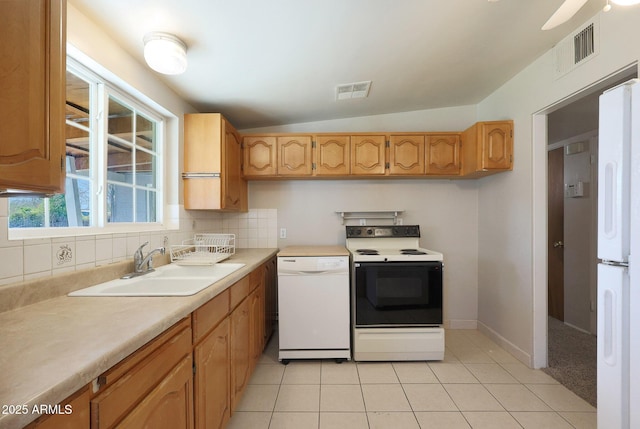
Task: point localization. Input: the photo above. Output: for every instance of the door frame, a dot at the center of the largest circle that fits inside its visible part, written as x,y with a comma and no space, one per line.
539,206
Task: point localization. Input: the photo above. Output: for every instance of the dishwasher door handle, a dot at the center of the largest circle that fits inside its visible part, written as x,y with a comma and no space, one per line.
307,273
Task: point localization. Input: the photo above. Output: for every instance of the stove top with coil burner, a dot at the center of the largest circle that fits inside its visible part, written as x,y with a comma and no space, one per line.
388,243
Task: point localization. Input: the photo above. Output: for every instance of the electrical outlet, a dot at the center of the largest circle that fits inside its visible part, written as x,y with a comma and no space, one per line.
283,232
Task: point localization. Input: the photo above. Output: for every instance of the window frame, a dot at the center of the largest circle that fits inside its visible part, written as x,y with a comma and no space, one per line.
84,67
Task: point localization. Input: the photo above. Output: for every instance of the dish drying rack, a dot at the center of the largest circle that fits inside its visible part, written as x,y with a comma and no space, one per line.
204,249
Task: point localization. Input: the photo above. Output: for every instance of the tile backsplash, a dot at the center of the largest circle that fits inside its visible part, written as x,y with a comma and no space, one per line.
23,260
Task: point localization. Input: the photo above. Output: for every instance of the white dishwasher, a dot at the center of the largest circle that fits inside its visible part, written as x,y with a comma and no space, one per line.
313,303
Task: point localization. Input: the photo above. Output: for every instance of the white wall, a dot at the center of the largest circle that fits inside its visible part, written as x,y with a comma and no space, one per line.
22,260
446,210
512,279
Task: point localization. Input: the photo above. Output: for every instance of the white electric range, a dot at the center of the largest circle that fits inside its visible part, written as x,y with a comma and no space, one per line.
396,294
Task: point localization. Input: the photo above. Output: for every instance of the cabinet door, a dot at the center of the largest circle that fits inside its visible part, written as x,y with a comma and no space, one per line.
259,156
495,152
332,155
271,299
168,405
78,418
257,323
212,164
32,94
131,382
240,350
234,195
212,379
203,154
367,155
294,156
406,155
443,155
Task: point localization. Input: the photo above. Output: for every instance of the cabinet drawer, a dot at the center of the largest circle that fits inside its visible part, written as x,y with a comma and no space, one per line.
209,315
117,399
239,291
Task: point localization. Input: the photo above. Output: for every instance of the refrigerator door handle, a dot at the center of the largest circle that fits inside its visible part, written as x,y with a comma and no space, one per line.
609,337
609,200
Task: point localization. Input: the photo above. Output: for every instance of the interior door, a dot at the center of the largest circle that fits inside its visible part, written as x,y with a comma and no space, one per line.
555,244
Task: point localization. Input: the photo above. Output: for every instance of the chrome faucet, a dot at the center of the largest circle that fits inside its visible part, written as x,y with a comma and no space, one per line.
144,264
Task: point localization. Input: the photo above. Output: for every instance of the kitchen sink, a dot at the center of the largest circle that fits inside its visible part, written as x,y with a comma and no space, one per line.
168,280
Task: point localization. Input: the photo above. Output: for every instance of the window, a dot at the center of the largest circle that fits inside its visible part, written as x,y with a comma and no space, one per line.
113,160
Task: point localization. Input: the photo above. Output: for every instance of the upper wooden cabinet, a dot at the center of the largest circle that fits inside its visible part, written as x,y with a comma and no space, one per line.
32,95
487,148
259,156
294,156
443,155
212,164
406,154
332,155
270,156
368,155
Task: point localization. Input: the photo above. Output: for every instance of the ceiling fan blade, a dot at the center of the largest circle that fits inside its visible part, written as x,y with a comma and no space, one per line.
564,13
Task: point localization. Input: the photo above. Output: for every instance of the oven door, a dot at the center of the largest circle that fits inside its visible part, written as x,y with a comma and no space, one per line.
397,294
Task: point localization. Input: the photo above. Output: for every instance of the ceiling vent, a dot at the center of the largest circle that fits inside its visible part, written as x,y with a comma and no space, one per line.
577,48
353,90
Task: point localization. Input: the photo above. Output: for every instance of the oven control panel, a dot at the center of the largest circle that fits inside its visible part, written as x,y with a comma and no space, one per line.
383,231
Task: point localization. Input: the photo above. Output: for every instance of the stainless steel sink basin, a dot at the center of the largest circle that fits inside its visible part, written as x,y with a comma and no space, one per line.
169,280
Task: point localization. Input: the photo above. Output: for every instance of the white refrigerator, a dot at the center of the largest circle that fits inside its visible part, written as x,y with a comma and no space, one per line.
618,249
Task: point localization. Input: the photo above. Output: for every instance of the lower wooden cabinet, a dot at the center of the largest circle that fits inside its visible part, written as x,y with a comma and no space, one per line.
256,300
157,376
213,379
169,404
270,299
74,414
190,376
240,350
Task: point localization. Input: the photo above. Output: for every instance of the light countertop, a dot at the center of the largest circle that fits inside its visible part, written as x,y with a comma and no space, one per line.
53,348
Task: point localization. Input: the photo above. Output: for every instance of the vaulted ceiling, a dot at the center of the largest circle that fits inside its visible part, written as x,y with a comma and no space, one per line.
272,62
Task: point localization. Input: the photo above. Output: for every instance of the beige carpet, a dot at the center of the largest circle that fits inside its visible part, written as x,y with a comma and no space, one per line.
573,359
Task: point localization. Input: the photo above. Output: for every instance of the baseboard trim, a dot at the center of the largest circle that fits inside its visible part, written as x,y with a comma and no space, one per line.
516,351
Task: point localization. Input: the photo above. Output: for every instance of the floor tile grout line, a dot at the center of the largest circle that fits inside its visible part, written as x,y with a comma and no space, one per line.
465,365
366,412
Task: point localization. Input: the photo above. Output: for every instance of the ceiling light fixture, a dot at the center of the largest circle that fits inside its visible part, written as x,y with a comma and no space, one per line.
165,53
607,7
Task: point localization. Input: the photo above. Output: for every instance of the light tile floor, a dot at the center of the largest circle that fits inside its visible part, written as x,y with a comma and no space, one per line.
478,385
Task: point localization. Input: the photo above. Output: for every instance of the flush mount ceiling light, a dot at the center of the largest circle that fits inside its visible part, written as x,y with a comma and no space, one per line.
165,53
